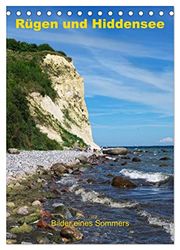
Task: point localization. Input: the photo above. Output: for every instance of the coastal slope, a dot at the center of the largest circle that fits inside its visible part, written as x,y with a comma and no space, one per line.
46,93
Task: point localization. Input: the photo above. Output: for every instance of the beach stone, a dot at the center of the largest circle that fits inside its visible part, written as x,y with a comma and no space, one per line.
10,204
73,164
23,210
61,208
83,159
94,159
36,203
13,151
119,181
124,163
71,233
58,207
136,159
25,228
11,241
126,157
17,185
7,214
41,170
115,151
165,158
76,213
42,240
58,169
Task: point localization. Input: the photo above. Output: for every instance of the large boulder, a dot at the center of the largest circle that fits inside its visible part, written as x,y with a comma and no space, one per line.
115,151
83,159
58,169
119,181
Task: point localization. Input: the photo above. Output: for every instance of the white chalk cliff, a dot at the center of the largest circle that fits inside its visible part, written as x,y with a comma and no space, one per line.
68,112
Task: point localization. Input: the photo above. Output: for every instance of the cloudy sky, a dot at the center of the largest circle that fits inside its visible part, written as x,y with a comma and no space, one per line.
128,74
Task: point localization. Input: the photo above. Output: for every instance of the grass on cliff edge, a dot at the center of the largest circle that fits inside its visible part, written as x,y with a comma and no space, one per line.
24,75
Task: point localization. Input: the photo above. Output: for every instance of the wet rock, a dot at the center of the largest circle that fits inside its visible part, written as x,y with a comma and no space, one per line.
23,210
36,203
10,204
124,163
13,151
76,213
62,209
91,181
10,236
94,159
45,214
138,151
44,225
55,191
30,218
42,240
165,158
76,172
58,169
136,159
83,159
115,151
163,164
125,157
71,233
73,164
58,207
25,228
119,181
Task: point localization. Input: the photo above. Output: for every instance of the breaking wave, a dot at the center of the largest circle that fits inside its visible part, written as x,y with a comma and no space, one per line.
67,179
149,176
153,220
95,197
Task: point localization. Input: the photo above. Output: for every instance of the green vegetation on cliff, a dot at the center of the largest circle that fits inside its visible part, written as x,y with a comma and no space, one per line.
24,76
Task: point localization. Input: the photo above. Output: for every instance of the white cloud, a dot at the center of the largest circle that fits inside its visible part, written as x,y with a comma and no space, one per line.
108,87
92,40
166,140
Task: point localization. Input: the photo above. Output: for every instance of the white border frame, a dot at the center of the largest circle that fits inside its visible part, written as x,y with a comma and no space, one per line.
176,4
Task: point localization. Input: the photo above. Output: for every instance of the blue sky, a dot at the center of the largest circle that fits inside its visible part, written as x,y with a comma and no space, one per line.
128,74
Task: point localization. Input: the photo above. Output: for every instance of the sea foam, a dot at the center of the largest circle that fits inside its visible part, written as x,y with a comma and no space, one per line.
168,226
148,176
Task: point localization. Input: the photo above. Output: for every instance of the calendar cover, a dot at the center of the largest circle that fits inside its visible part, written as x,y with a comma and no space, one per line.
90,125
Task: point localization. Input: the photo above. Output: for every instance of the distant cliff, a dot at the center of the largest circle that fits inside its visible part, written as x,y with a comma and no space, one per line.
45,99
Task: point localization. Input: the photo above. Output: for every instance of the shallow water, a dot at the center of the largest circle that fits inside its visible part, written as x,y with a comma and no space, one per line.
148,208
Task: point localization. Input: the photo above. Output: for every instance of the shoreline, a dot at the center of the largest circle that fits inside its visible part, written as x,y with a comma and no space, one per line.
27,162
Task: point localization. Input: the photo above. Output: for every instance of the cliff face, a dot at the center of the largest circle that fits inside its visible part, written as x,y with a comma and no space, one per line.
45,99
67,113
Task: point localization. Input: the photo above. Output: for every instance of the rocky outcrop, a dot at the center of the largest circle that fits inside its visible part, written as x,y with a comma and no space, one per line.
119,181
66,117
115,151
